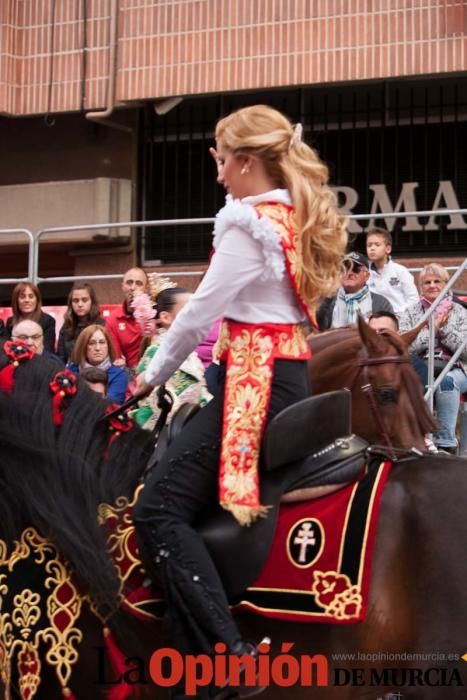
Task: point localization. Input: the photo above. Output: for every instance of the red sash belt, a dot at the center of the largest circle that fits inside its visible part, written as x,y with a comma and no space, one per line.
250,351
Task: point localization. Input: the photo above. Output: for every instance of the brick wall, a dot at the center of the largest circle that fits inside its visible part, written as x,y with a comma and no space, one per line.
54,54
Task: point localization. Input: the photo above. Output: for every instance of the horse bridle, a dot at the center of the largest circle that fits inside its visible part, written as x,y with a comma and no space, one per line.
375,396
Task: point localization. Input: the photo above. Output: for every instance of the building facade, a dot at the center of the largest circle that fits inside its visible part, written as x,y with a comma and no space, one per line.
108,110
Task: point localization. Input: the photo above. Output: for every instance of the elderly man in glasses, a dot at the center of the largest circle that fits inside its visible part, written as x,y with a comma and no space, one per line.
353,296
31,333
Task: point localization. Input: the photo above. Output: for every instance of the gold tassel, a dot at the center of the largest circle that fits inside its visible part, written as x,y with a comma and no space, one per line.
246,515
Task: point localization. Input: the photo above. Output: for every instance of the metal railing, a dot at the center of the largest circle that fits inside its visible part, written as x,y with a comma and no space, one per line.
97,227
36,239
34,259
31,247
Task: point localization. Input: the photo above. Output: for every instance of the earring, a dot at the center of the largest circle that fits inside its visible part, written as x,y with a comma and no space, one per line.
244,170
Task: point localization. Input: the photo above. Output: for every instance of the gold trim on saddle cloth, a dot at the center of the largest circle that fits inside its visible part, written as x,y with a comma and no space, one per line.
250,351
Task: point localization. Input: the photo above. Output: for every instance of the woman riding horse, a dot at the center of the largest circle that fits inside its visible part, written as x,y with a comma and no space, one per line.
278,247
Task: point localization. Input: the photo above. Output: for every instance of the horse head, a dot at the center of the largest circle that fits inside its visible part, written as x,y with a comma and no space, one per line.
387,399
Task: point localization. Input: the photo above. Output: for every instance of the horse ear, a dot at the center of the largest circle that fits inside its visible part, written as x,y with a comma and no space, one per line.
409,336
370,338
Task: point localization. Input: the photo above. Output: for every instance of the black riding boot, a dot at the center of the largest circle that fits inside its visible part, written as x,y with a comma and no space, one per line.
198,613
182,489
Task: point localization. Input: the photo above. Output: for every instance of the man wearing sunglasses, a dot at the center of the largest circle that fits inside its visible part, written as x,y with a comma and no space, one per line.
353,296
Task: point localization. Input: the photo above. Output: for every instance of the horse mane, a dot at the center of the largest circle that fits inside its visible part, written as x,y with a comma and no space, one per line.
340,345
321,341
53,478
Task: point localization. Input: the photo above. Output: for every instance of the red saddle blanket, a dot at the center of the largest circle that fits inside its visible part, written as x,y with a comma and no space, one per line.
320,564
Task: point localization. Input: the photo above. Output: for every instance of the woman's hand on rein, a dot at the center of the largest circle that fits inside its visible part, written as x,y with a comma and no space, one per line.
142,387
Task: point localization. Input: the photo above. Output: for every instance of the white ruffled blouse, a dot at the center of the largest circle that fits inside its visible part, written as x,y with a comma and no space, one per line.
246,281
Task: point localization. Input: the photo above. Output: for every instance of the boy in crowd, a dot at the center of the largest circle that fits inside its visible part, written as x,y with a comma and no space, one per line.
387,277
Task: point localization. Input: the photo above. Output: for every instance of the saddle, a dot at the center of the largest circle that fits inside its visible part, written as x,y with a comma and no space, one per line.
308,445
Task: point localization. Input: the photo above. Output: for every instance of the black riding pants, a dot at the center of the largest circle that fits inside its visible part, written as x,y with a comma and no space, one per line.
177,494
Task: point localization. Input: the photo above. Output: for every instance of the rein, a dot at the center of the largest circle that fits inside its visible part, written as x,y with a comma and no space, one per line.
368,390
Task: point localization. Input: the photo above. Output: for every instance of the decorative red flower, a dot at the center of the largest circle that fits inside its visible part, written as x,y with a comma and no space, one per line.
347,605
335,593
121,422
64,382
17,351
329,585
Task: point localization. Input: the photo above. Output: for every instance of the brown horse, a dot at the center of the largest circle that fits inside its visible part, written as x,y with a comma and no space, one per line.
54,478
387,399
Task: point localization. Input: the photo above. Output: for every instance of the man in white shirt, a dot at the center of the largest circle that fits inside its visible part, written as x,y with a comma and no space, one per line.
388,278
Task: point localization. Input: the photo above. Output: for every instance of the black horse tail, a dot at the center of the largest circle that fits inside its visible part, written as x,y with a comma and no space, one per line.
53,478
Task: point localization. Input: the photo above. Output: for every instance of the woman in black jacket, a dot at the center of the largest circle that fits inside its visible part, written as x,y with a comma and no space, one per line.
26,304
82,311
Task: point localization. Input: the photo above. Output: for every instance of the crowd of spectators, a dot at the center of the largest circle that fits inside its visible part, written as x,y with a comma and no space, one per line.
108,353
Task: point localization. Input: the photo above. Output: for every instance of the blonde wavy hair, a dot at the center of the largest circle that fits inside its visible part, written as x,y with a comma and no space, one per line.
265,133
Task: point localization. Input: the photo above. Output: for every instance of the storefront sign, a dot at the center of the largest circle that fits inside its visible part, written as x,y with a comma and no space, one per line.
445,198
